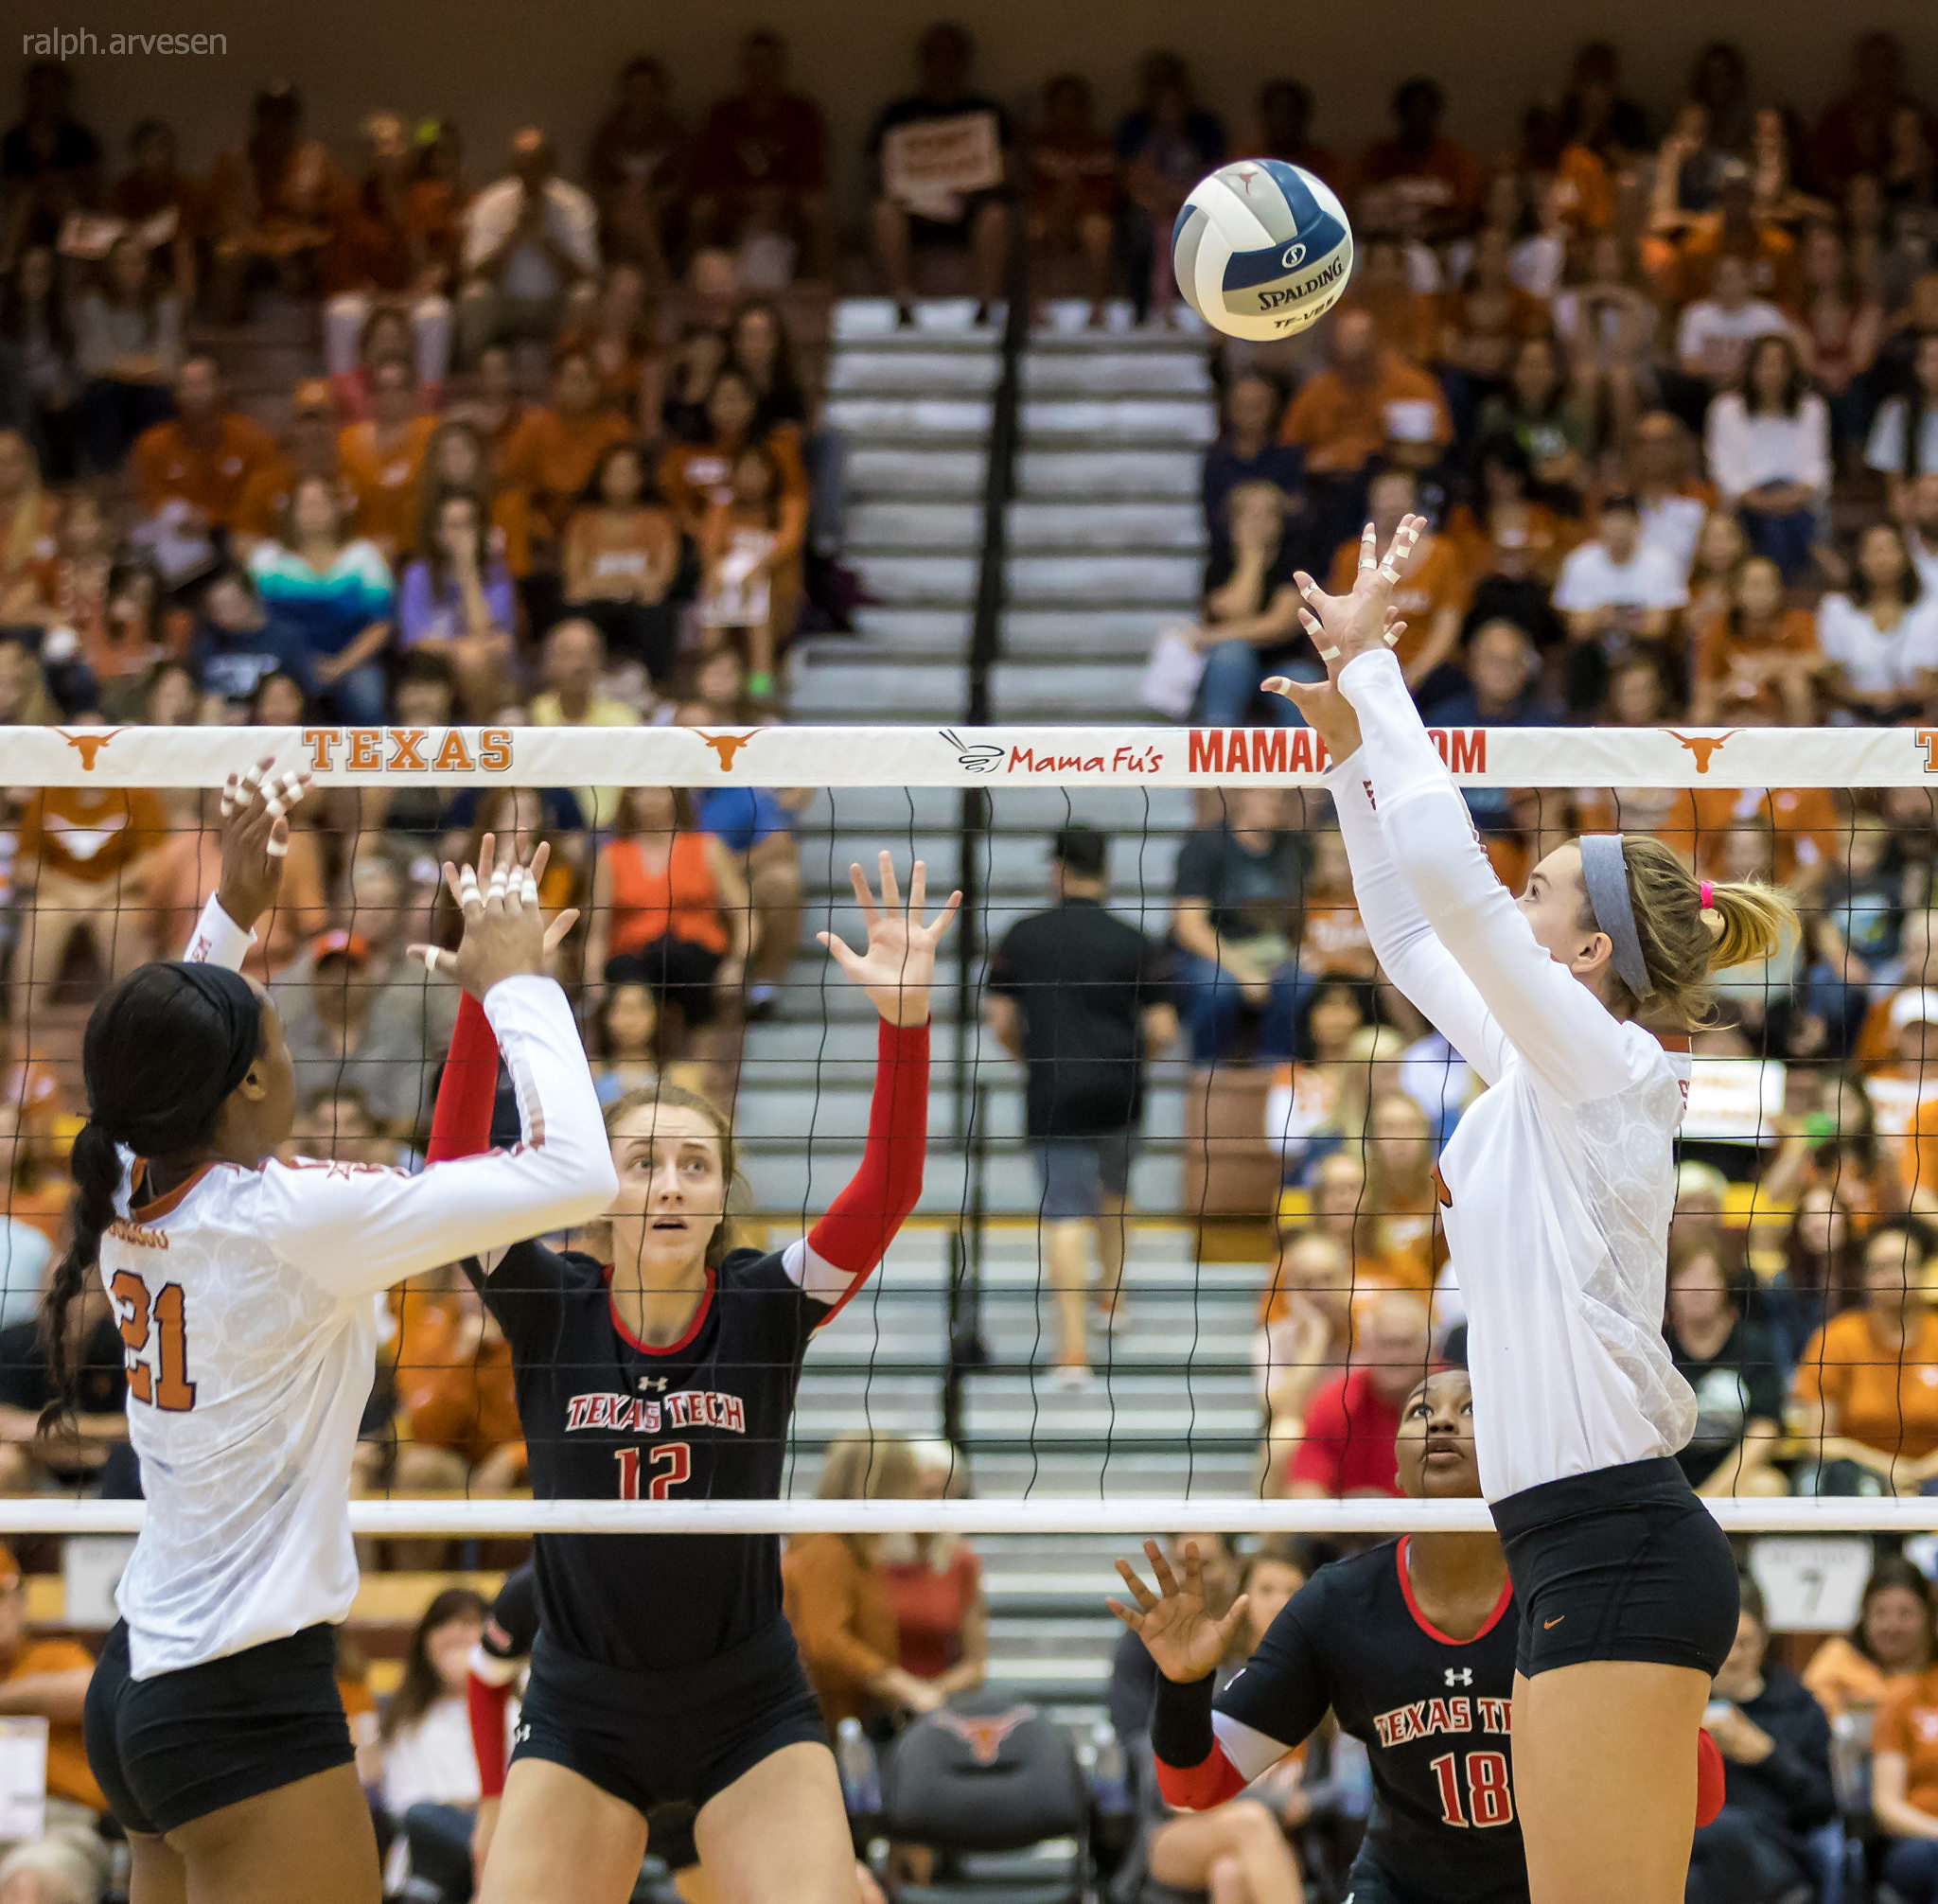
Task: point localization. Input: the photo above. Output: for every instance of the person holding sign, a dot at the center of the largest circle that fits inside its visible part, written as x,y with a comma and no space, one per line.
940,153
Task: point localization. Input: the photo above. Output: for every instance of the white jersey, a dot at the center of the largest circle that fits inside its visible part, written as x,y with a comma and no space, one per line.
244,1297
1560,1174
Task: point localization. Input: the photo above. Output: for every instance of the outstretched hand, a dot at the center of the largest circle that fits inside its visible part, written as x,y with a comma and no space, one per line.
255,838
898,965
505,933
1342,626
1174,1624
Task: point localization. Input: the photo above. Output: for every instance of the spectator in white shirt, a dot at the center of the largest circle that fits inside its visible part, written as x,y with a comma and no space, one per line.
429,1765
1879,637
1921,529
530,251
1769,446
1904,439
1669,502
1617,594
1714,334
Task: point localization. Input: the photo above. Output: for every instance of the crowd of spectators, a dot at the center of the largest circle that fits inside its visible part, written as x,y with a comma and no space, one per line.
1669,398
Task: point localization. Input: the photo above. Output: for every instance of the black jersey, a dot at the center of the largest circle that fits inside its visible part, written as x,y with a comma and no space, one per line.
1432,1712
610,1419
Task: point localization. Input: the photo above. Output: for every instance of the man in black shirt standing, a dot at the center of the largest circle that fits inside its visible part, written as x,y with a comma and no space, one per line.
1082,998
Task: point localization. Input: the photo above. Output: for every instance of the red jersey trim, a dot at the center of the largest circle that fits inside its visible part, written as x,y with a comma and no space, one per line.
1426,1625
632,1341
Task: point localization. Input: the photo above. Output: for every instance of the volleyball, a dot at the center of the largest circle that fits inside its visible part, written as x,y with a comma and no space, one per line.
1261,249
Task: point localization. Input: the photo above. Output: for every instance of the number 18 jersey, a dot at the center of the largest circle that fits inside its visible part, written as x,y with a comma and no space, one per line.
1432,1712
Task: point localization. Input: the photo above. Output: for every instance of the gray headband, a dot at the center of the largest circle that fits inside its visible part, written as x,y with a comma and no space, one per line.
1605,872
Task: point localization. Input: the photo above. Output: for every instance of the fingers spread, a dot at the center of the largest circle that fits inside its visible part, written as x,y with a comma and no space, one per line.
891,892
1145,1599
557,932
918,889
863,897
1368,549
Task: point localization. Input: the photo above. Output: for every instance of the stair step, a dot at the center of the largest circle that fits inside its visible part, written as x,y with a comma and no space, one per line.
1086,527
1084,578
910,416
1098,421
1043,471
1104,372
917,527
908,470
912,373
894,579
872,323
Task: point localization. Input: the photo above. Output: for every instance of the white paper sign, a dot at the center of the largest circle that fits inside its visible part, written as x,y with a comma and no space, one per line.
23,1779
1170,684
91,1569
737,592
929,164
1733,1100
1811,1584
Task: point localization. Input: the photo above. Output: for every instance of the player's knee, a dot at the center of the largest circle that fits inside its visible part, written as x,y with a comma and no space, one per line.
1226,1881
1251,1825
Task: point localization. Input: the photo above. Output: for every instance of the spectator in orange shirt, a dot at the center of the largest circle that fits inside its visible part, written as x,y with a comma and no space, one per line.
1894,1640
454,1388
1483,320
636,168
1431,599
1074,186
271,201
382,459
1866,1388
47,1679
1759,660
188,870
1436,184
622,556
29,528
83,862
549,461
1382,285
1343,417
693,477
1903,1787
836,1593
203,460
309,450
381,249
1735,229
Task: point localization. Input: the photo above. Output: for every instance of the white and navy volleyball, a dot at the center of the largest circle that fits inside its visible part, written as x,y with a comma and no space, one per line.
1261,249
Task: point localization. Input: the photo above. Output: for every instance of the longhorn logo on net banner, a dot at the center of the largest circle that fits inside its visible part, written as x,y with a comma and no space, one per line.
89,744
727,745
1703,745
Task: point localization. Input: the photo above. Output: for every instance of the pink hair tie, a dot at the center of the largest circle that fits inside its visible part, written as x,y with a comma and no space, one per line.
1708,892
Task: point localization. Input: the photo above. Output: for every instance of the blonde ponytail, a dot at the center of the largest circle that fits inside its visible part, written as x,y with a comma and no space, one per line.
1751,921
1683,942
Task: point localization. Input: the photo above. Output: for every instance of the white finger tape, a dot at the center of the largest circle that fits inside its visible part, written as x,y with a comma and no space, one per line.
1329,654
278,849
430,957
273,807
251,780
529,892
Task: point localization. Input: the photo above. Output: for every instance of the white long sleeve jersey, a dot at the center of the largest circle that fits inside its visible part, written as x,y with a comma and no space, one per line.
1559,1179
245,1302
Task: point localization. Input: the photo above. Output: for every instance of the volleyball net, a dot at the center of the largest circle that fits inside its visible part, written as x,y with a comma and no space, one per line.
1264,1172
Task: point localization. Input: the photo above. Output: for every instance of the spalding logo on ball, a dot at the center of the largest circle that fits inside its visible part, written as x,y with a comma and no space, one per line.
1261,248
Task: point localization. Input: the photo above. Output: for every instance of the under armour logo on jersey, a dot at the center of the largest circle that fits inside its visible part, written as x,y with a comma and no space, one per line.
654,1385
521,1732
984,1736
1459,1675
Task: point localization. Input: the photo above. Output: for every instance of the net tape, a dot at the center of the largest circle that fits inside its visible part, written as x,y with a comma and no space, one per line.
965,757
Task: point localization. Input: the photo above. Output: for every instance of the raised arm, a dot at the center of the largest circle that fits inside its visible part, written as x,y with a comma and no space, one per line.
1542,1009
896,968
1543,1012
357,1230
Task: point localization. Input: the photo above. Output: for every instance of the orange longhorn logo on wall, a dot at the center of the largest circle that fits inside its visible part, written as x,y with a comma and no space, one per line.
89,744
727,745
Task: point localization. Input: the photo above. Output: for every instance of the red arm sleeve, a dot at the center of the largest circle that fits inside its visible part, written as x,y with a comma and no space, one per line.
1198,1787
487,1705
863,1219
461,1123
